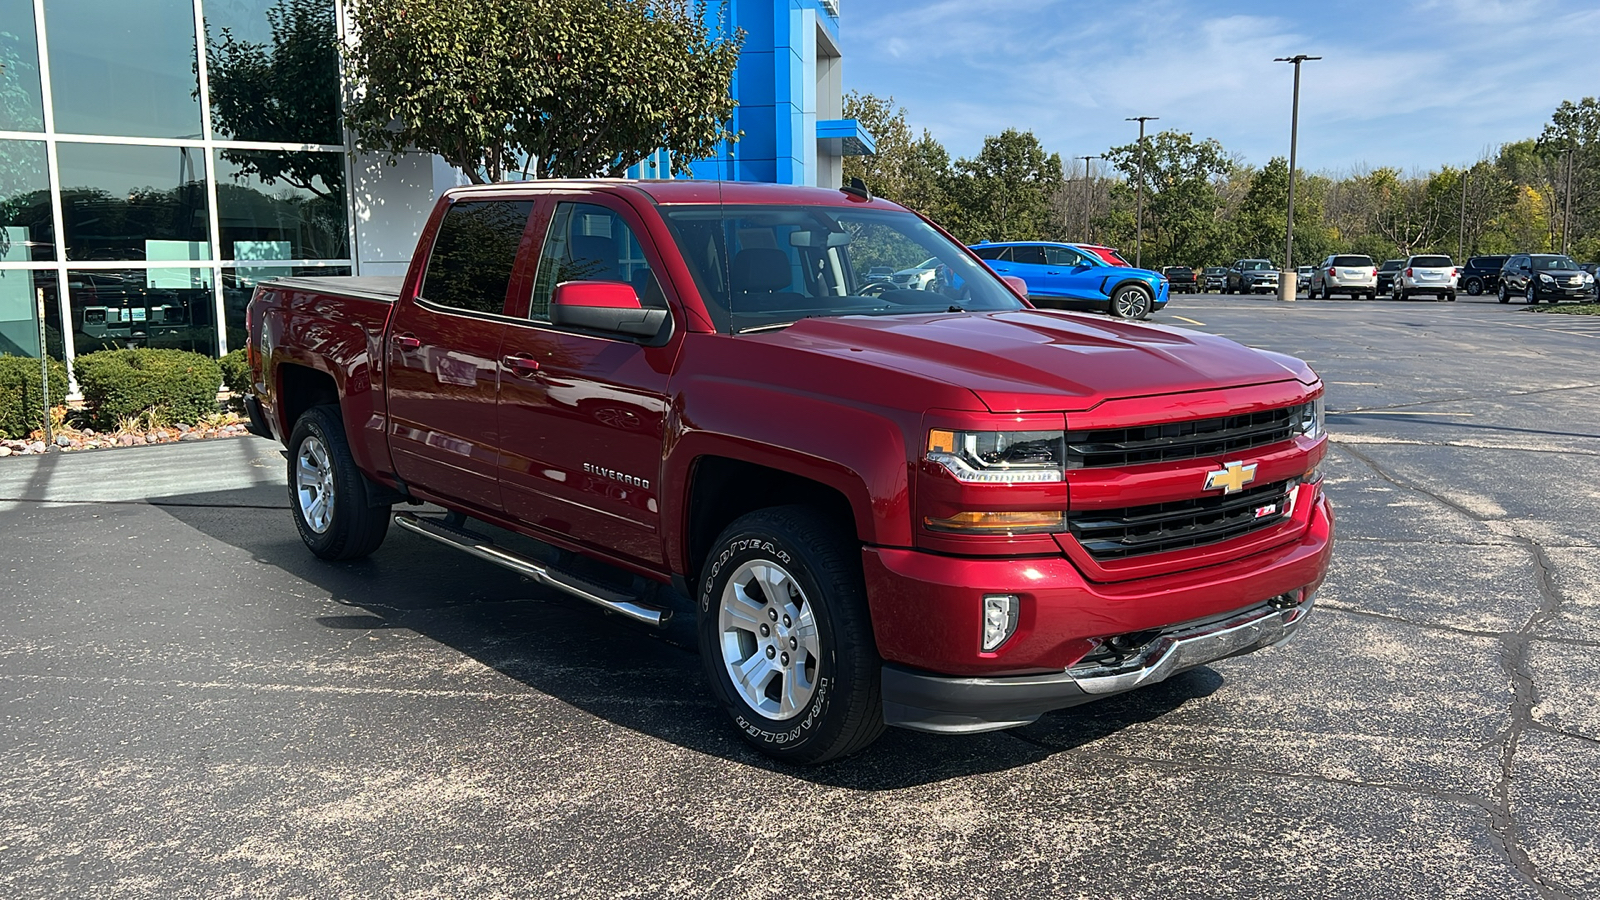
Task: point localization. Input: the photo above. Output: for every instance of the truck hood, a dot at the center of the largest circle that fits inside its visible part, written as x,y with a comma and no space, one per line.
1042,360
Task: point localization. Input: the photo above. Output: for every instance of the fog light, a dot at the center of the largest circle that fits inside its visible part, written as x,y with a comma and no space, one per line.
999,619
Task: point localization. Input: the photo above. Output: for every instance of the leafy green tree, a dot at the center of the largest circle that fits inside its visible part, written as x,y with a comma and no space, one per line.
559,88
1182,212
912,171
288,91
1004,193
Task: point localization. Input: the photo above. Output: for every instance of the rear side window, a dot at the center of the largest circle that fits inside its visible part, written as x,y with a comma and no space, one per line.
591,243
1353,261
1432,262
990,252
474,253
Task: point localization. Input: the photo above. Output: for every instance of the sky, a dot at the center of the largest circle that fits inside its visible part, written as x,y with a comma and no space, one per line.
1413,84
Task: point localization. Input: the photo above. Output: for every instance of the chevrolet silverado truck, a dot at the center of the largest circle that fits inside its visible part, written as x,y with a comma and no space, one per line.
936,508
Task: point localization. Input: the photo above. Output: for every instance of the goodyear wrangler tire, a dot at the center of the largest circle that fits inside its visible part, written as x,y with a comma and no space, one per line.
785,636
328,493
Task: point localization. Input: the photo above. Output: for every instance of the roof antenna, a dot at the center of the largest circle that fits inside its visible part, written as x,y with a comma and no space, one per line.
857,188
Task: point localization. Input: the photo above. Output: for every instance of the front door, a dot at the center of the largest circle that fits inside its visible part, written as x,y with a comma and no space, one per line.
444,355
583,415
1081,281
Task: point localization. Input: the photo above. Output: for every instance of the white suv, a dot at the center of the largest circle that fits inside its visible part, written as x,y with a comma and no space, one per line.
1429,274
1345,274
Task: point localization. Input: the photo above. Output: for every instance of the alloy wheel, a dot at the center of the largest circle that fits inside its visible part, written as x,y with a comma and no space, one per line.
769,639
314,484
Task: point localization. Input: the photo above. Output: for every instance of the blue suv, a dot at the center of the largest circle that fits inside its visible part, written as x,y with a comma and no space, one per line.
1060,276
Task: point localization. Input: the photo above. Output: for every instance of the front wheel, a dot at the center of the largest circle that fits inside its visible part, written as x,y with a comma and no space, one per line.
1531,296
785,635
1131,302
1504,296
328,493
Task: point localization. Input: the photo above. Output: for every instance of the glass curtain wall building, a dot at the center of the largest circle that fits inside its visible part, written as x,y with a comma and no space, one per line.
159,158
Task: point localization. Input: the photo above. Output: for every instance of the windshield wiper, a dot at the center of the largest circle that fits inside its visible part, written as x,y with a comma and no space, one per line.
770,326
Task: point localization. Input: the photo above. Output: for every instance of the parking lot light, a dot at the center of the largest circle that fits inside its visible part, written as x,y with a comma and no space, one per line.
1288,286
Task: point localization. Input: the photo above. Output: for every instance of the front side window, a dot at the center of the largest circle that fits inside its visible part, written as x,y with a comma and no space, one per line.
1062,256
591,243
761,267
474,254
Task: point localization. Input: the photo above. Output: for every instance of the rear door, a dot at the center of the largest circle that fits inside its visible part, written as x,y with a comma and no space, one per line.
444,351
584,415
1028,263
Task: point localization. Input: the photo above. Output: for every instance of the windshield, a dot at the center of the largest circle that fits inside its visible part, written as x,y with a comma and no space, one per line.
768,266
1254,265
1546,263
1390,265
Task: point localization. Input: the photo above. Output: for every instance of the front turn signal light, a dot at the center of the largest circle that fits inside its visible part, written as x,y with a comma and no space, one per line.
1001,523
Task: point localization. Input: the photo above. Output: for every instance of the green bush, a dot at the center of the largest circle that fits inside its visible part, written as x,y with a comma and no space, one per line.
236,375
20,390
176,385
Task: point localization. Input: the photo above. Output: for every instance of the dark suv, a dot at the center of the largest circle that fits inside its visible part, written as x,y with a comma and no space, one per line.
1481,274
1551,277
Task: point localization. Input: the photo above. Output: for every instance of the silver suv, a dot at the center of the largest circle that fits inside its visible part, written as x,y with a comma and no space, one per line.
1345,274
1426,274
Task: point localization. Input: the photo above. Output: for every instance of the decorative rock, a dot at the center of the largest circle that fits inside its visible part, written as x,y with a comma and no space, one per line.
63,441
182,428
36,447
191,436
149,439
126,440
4,451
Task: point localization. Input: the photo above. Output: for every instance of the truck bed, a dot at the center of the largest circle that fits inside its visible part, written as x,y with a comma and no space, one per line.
383,288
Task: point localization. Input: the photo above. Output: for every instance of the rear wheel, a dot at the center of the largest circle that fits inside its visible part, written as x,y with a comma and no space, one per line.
328,493
785,636
1474,286
1451,296
1131,301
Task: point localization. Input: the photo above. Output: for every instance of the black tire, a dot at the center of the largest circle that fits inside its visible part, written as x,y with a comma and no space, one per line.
1474,287
843,714
1503,296
1450,296
1531,296
1131,302
351,526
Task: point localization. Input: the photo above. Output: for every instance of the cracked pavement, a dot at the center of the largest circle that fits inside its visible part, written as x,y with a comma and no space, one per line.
192,706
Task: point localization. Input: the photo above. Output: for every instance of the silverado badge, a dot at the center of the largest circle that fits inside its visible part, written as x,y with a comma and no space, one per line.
1232,477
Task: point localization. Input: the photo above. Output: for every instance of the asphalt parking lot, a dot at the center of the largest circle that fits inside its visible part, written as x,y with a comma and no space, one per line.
192,706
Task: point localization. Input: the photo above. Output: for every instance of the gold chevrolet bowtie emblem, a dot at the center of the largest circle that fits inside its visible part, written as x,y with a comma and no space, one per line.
1232,477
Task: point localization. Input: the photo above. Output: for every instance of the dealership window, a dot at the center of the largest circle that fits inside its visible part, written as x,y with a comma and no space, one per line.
275,204
274,70
155,307
121,68
21,108
27,232
134,203
19,313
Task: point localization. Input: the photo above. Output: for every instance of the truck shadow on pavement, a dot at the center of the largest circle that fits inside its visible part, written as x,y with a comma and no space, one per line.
624,673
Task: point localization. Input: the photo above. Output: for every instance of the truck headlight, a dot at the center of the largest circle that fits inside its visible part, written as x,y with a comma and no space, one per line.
999,457
1313,419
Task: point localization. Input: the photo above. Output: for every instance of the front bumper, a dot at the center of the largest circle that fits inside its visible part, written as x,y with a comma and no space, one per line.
932,703
1544,291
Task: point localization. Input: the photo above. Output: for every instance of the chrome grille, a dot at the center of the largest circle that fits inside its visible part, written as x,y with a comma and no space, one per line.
1182,440
1161,527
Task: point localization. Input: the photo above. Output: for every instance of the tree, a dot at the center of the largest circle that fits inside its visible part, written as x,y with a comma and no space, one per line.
1003,193
286,92
1181,202
561,88
912,171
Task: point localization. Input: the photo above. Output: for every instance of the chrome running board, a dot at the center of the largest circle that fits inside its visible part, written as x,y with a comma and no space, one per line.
485,549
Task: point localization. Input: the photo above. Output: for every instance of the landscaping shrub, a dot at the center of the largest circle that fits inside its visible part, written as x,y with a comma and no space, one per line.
20,392
176,385
236,375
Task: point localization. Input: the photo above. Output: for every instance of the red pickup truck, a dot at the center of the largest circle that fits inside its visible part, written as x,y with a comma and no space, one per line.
935,508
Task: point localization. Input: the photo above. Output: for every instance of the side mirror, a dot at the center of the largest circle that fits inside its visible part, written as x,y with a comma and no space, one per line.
1017,285
606,306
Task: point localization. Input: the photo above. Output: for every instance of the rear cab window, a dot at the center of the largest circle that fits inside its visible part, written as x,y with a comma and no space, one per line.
474,255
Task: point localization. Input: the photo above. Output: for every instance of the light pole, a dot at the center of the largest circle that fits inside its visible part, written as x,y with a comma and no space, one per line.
1288,283
1566,203
1088,195
1461,239
1138,221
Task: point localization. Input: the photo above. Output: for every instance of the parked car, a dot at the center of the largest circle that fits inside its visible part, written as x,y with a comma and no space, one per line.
1108,254
1481,274
1425,274
654,405
879,275
917,278
1214,278
1551,277
1060,276
1386,273
1302,278
1249,276
1181,278
1591,268
1345,273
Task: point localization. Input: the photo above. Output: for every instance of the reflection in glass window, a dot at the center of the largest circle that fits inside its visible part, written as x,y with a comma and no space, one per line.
162,307
19,313
124,68
134,203
20,106
473,256
273,67
591,243
27,230
275,204
239,284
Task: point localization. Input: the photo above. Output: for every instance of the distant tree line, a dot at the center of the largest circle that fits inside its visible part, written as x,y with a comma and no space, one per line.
1206,206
